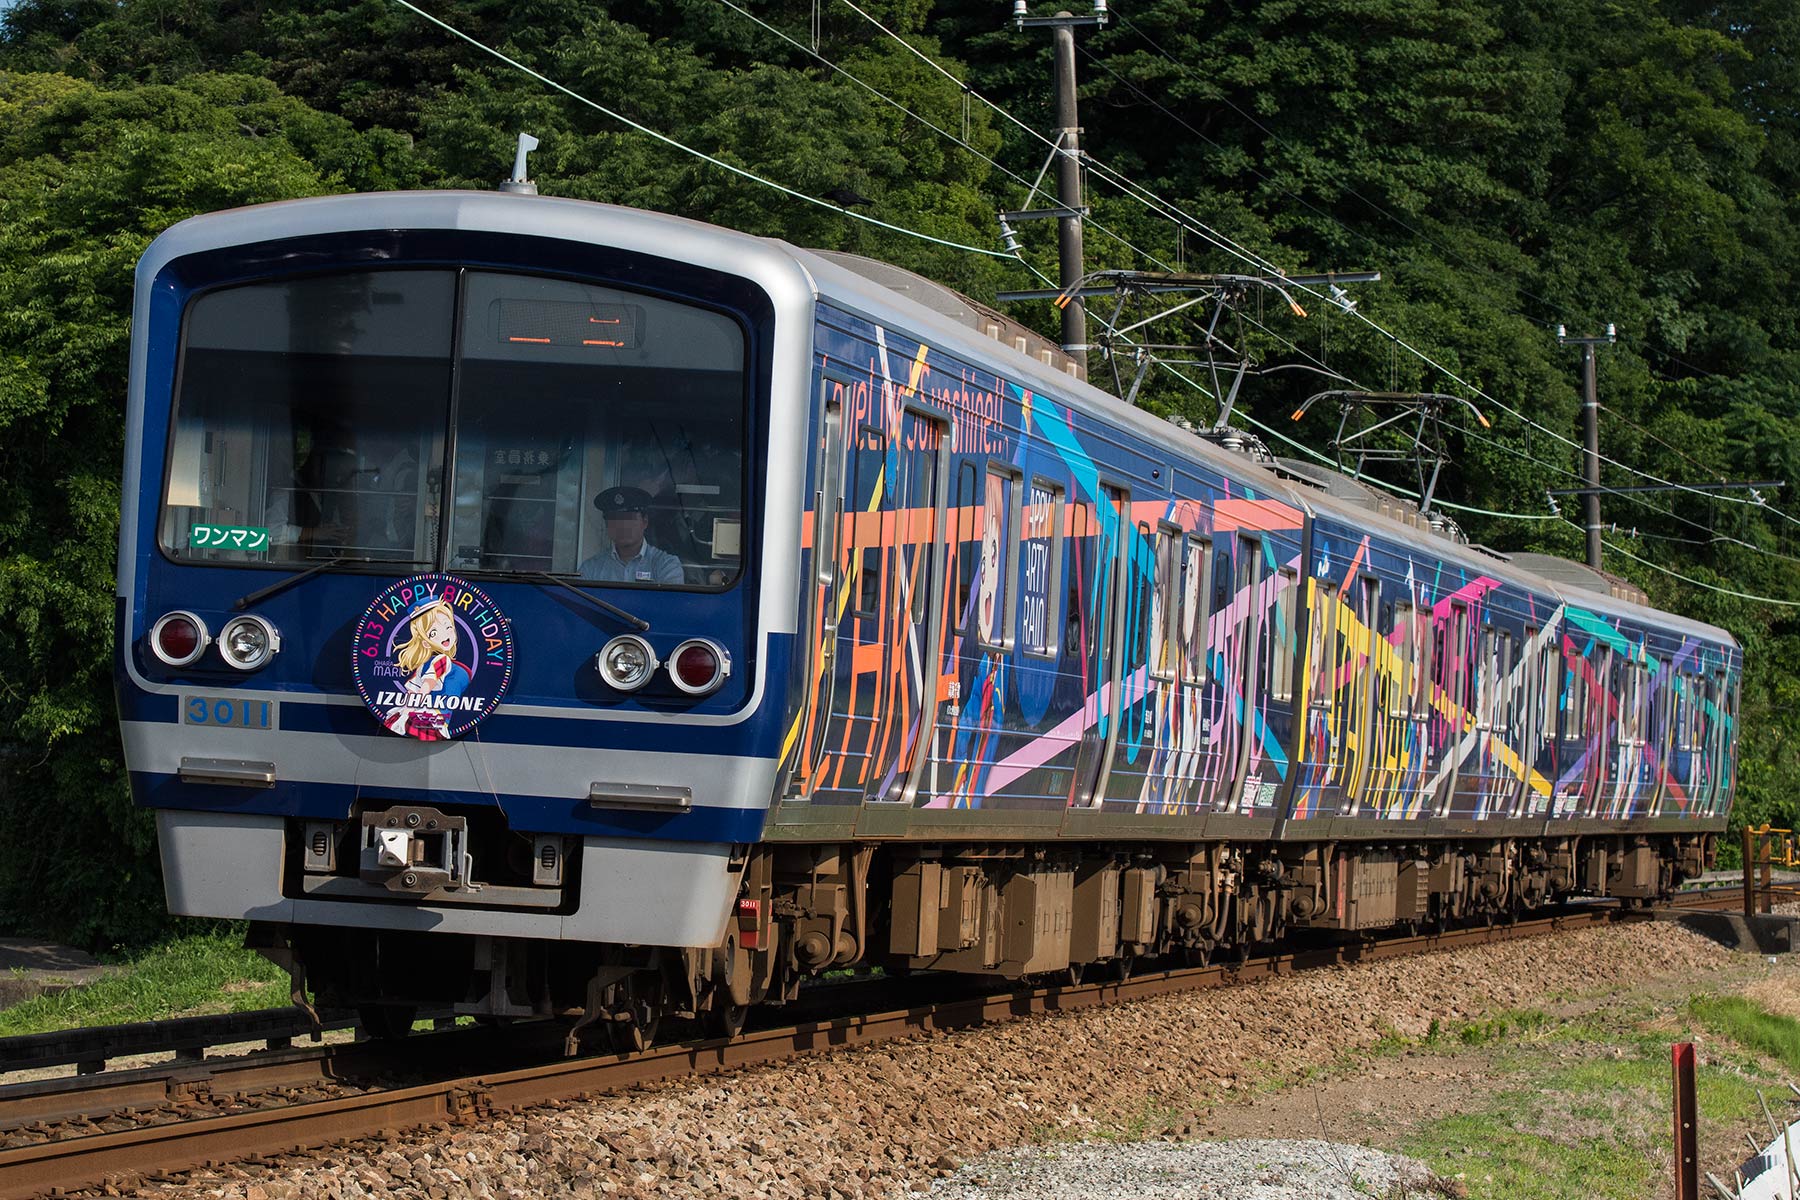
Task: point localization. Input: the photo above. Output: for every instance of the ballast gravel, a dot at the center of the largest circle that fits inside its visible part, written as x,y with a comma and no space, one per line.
882,1121
1245,1169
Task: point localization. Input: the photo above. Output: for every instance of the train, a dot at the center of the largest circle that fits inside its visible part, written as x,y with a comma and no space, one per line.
532,608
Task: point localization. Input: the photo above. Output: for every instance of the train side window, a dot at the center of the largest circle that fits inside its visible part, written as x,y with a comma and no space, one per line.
1160,645
1574,698
1458,677
1040,569
871,461
916,495
1247,582
1631,698
1550,681
1321,632
827,503
1424,670
1282,640
1406,655
994,615
1683,721
1531,688
1196,596
1491,686
964,531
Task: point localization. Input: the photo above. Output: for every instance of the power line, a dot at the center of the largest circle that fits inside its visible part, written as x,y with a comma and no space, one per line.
1688,579
1127,187
1619,416
1173,212
686,149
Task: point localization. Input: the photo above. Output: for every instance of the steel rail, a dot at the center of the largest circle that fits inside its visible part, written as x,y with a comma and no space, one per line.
92,1046
161,1149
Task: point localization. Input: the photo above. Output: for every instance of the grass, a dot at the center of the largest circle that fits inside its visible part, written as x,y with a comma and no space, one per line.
1585,1108
200,973
1751,1026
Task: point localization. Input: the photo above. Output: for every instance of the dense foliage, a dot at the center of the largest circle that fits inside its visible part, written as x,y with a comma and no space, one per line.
1506,165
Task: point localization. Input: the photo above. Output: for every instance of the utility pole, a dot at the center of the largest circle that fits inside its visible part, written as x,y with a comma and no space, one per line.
1590,412
1068,167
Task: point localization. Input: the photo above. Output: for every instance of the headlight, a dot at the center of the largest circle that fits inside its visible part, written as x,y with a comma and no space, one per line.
248,642
626,662
178,638
698,666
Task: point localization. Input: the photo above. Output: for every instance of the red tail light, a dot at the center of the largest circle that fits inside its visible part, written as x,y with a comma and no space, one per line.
698,666
178,638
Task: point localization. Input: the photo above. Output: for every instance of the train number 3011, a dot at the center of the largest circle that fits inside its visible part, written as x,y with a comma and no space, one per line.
227,711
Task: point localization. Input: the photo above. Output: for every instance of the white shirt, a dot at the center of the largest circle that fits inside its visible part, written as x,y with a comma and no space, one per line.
650,565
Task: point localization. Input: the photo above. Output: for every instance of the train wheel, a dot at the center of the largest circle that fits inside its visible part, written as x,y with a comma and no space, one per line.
725,1020
386,1022
730,989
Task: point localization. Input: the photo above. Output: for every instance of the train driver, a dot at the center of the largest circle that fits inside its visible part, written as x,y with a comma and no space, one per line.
627,557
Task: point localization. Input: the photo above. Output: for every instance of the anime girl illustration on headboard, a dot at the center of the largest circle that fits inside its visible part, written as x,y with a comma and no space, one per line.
427,658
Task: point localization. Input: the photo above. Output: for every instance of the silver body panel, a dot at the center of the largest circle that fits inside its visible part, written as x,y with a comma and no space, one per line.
635,892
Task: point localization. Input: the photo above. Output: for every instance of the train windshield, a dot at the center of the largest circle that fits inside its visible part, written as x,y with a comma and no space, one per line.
489,422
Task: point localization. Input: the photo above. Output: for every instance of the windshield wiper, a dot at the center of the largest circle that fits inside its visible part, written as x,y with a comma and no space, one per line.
282,585
561,581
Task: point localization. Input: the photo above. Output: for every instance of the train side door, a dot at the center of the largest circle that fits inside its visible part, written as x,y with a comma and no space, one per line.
1200,760
1625,750
1102,564
829,594
1245,620
1576,734
1346,687
1139,772
919,619
858,655
1487,782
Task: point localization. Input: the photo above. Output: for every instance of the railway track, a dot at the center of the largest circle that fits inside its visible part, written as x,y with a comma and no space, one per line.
129,1126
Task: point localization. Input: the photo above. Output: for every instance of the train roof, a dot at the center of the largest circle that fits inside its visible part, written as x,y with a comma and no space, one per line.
964,326
882,293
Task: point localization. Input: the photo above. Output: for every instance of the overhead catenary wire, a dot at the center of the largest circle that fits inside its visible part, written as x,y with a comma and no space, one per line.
1175,213
1117,179
1699,583
961,141
666,140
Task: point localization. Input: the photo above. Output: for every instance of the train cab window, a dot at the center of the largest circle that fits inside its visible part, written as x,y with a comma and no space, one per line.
309,420
599,434
1040,569
1196,595
1282,640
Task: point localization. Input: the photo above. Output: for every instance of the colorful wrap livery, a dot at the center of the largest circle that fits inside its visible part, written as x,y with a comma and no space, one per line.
950,593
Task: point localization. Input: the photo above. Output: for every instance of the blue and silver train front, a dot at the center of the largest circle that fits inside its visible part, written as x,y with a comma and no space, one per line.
457,573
